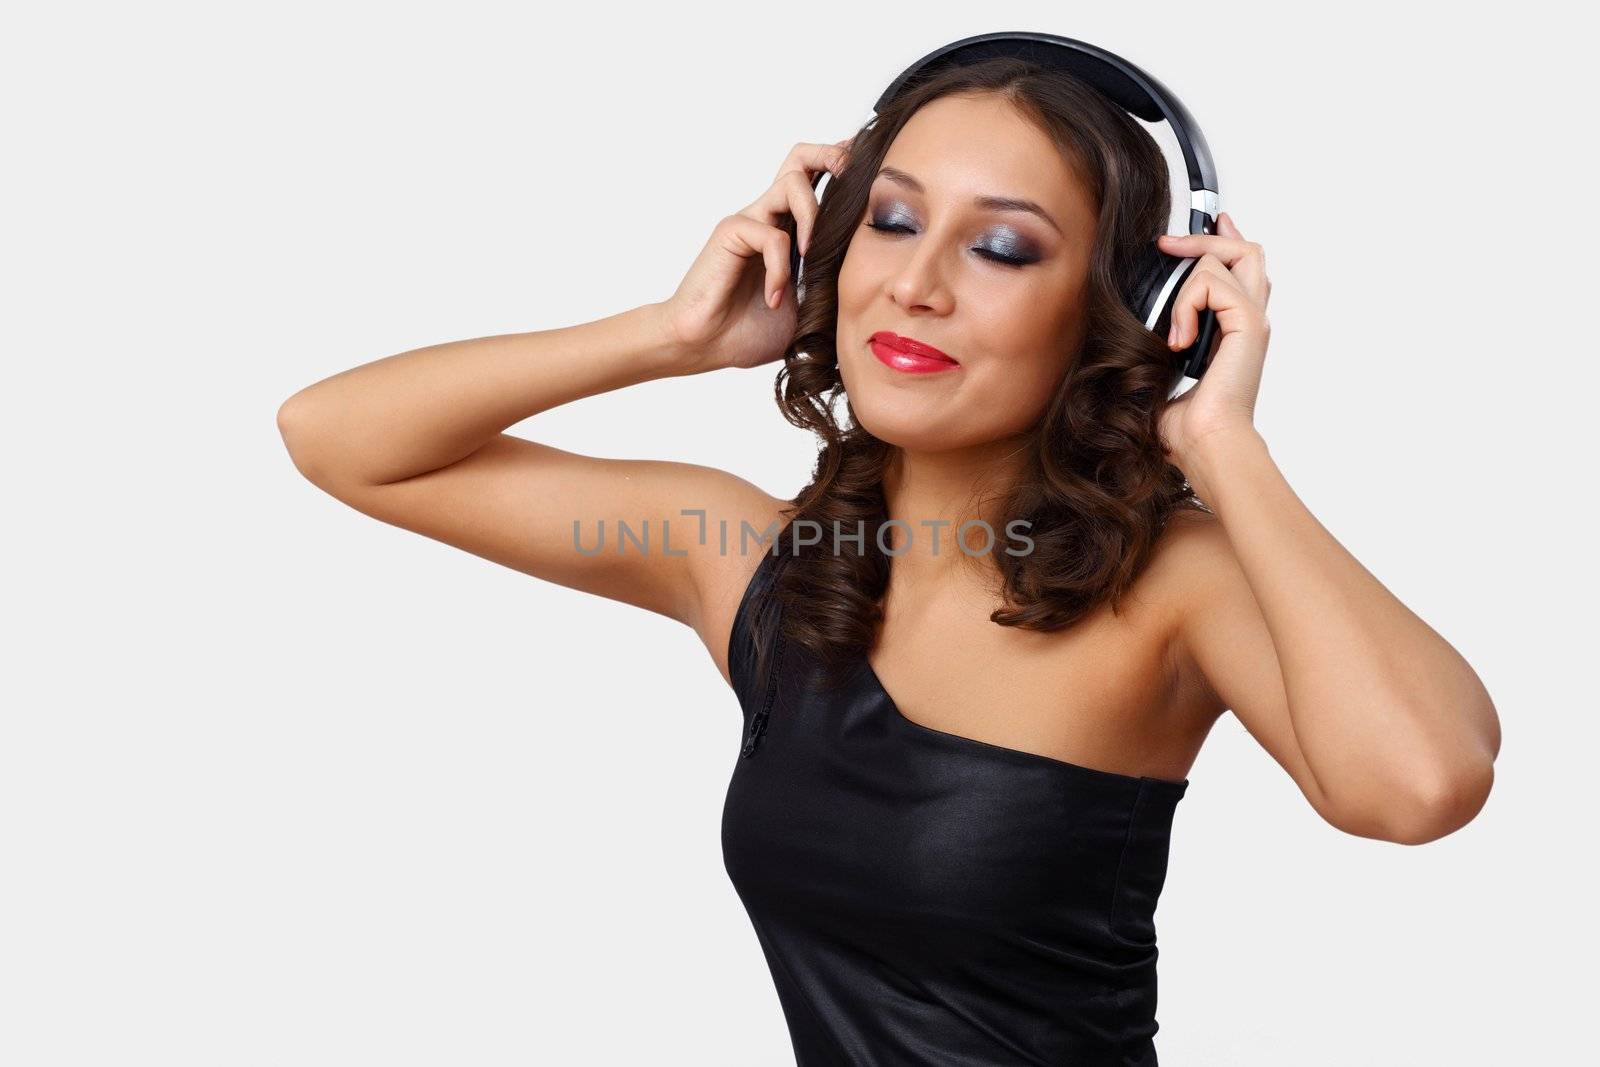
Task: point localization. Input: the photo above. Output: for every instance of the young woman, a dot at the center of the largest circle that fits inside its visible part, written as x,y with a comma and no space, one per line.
967,871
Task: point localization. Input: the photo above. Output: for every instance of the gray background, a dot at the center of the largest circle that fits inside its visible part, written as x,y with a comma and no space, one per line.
282,785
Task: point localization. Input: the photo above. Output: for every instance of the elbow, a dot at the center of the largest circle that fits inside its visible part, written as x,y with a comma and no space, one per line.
298,427
1445,805
1418,797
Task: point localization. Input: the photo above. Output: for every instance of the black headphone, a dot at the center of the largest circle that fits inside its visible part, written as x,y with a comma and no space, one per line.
1161,274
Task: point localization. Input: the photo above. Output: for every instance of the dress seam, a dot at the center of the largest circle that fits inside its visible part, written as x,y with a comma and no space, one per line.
1122,861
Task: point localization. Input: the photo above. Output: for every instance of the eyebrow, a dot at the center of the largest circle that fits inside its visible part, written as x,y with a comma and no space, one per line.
992,203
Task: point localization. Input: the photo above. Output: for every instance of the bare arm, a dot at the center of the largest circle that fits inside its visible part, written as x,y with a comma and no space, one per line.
417,439
1385,727
406,415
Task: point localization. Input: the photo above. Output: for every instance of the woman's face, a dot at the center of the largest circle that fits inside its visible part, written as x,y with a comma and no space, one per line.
929,262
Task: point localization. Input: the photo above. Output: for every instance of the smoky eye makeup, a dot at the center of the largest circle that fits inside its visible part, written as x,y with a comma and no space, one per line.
1000,243
1010,245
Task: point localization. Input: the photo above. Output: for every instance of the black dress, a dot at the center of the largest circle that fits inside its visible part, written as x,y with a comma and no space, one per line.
927,898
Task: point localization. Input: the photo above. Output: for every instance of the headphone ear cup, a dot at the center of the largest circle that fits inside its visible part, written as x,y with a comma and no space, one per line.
1149,274
1155,289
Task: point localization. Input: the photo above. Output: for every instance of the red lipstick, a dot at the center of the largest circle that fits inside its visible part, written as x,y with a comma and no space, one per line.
908,354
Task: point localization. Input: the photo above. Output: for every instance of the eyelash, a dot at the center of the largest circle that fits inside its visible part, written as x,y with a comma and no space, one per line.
993,257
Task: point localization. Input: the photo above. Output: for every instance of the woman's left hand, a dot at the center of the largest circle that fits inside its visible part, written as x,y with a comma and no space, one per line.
1231,279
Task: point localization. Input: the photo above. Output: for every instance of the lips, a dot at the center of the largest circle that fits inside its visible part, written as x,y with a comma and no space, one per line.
908,354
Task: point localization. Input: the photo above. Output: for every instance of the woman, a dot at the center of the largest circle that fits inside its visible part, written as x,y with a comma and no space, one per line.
966,871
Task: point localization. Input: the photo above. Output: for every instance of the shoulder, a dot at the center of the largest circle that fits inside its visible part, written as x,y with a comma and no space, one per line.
1189,554
1193,537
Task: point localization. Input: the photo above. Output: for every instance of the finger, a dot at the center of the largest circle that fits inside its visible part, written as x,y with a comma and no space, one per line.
776,254
812,159
808,161
1247,260
1210,264
793,191
790,194
744,237
1211,287
1250,269
1228,249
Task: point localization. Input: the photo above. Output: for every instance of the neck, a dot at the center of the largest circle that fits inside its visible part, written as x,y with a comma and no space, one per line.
932,493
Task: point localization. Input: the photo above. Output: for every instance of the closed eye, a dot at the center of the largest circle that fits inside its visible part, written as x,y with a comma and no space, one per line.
986,253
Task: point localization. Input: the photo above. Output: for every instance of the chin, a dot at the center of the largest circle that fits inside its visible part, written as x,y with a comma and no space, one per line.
904,422
904,413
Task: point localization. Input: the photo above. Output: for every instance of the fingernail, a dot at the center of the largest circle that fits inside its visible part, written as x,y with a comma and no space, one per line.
1172,335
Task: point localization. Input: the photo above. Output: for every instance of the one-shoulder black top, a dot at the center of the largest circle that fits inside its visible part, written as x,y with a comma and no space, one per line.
925,898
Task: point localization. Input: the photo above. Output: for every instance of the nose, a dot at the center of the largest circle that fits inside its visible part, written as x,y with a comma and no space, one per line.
919,284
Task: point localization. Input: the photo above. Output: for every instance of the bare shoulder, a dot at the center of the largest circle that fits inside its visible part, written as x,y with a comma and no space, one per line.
1191,539
1188,553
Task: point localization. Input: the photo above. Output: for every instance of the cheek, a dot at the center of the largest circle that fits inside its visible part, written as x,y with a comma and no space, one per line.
1031,327
858,299
1014,393
855,282
1029,338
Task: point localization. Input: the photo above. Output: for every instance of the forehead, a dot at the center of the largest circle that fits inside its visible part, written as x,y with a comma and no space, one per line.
964,146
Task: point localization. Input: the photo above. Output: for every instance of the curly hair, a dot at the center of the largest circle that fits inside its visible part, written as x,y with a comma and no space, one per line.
1097,487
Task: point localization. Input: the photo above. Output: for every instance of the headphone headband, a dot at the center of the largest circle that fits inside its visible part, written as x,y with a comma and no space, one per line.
1157,279
1114,77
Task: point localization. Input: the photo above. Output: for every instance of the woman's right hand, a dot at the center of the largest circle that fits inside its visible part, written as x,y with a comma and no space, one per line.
736,305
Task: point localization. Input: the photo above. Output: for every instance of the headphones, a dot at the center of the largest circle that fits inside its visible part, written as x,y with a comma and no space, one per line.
1160,274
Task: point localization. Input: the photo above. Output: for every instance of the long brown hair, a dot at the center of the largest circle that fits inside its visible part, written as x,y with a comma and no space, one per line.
1097,487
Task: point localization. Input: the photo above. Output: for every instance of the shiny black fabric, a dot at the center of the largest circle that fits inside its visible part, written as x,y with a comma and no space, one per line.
925,898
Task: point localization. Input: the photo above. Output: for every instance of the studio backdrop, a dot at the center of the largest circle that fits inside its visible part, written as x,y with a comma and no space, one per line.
284,783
